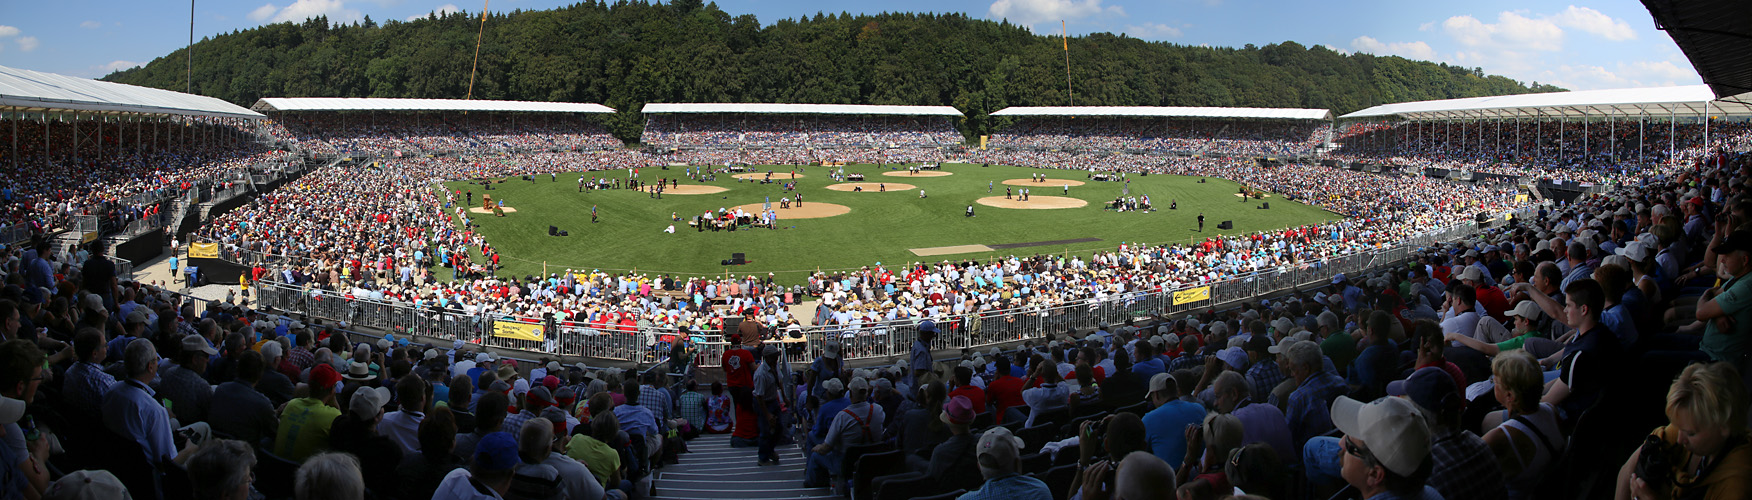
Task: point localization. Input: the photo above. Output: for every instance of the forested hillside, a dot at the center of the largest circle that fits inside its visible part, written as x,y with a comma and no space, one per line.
626,54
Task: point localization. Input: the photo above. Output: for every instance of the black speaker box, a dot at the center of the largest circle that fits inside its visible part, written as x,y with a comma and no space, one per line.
1265,206
1228,224
553,231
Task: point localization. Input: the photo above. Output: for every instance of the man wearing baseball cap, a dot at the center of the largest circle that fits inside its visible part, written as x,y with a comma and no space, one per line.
999,455
1385,448
495,459
1728,310
305,422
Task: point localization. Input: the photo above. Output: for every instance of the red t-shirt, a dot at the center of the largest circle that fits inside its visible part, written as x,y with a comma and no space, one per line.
739,368
1005,392
974,394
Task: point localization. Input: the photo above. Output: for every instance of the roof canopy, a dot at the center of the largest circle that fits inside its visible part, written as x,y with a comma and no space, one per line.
1713,35
1686,100
813,109
38,91
1170,112
387,104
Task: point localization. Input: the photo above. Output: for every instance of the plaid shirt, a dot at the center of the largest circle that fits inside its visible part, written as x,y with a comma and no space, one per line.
1464,468
1188,360
301,357
1309,411
693,409
1264,376
658,401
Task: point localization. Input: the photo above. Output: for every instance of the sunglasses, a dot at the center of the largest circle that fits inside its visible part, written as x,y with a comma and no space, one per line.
1353,449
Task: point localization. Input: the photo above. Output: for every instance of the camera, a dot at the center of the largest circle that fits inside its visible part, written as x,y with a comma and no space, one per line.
1654,463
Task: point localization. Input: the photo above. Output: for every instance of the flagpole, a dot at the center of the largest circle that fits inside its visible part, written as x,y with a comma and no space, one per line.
479,34
1065,36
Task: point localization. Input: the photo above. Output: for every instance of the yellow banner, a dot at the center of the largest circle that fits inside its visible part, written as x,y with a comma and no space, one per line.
515,330
203,250
1520,198
89,237
1193,295
982,142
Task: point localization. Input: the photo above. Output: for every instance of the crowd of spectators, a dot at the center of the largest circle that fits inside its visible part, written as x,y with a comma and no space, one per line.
399,134
1277,138
795,131
119,172
1595,152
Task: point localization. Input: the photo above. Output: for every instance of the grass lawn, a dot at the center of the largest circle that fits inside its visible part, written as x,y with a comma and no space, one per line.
881,227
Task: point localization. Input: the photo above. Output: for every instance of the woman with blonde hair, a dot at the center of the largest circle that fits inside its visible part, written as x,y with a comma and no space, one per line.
1703,446
1525,436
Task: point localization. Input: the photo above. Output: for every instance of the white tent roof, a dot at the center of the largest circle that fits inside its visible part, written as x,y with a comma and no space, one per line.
818,109
1170,112
387,104
1686,100
38,91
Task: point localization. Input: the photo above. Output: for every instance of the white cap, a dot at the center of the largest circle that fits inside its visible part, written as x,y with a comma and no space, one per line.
1392,429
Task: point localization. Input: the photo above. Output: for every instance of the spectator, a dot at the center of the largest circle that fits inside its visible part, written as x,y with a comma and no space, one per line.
537,446
1316,387
597,447
859,423
1138,475
85,383
1256,469
305,422
355,433
131,408
1005,393
1386,448
327,476
718,418
243,413
488,419
1000,462
1201,475
1260,422
403,425
768,398
1591,357
489,477
459,398
964,386
692,408
1379,361
274,384
1706,408
642,430
1463,466
220,470
24,458
419,473
1125,433
1050,395
954,460
921,429
1165,426
1525,437
184,383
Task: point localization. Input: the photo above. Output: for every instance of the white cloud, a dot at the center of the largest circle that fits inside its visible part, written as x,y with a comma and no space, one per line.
1336,49
442,10
115,66
1512,30
1619,75
1411,50
1592,21
6,31
1153,30
1031,12
90,25
27,43
300,10
263,13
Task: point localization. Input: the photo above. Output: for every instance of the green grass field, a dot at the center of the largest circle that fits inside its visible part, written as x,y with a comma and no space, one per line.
881,227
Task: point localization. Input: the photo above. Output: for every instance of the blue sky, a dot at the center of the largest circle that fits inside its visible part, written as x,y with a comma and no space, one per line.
1577,45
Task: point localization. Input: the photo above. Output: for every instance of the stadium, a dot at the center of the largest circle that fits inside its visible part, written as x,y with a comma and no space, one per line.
1490,296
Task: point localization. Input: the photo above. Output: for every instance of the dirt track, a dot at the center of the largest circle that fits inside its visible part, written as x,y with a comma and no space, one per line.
479,210
688,189
1033,203
872,187
762,176
810,210
1047,183
922,173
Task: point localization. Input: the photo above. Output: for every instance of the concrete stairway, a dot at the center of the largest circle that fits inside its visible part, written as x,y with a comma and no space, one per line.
712,470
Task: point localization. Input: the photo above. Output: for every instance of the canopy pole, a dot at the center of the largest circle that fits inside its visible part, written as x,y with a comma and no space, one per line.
1706,146
1640,145
1672,126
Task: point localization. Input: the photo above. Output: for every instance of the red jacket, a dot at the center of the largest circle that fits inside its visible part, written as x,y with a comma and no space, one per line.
974,394
1004,393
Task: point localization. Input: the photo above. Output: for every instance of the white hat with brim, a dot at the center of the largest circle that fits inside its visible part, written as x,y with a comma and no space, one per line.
1392,429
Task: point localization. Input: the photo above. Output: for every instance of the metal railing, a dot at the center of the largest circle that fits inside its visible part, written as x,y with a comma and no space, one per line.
859,341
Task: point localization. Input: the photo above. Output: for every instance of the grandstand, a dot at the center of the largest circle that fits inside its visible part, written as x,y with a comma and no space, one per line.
802,133
368,127
1248,132
1582,137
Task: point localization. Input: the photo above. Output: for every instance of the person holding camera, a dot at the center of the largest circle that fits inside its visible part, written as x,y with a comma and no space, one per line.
1702,453
1117,436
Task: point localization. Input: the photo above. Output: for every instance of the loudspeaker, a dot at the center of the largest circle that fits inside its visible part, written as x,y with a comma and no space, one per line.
1328,163
1228,224
731,325
1265,206
736,259
553,231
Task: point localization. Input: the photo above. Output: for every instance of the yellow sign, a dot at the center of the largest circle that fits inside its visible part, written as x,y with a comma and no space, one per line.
982,142
203,250
88,237
1520,198
515,330
1193,295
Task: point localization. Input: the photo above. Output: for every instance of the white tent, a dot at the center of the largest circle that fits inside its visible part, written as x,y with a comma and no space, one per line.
817,109
1170,112
35,91
387,104
1691,100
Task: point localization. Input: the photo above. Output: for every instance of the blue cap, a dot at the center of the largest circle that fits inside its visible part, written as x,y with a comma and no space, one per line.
496,451
928,326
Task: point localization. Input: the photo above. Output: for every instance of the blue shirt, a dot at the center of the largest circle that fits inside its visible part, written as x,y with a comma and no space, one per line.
1010,487
1264,376
1147,369
131,410
828,408
658,401
1363,372
636,419
84,386
1617,318
1309,409
1165,429
1428,493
